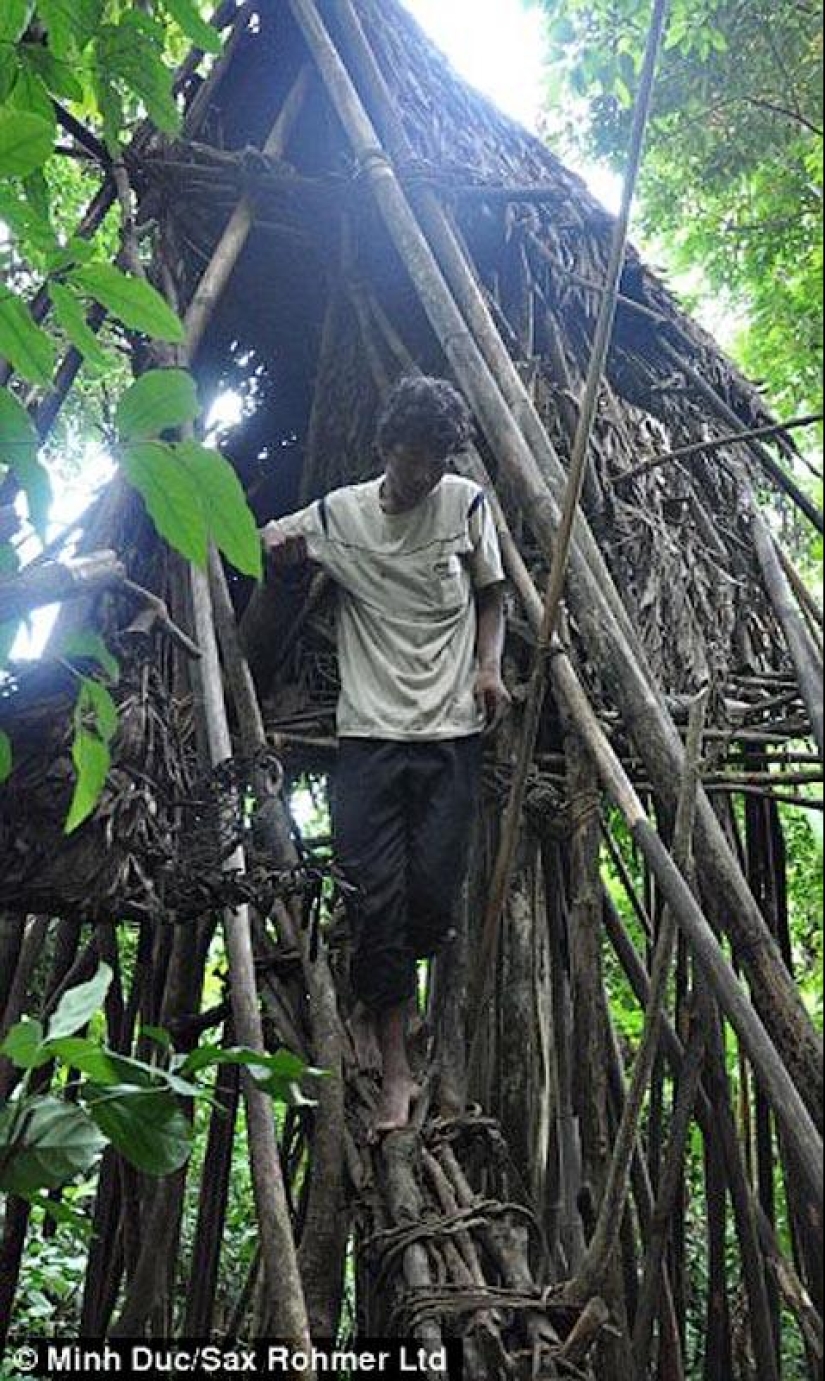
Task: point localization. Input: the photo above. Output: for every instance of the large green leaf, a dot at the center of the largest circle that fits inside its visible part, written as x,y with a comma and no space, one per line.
31,95
18,448
136,303
9,68
171,496
128,50
103,1066
6,759
71,318
23,343
18,438
24,1045
229,518
25,142
56,74
95,698
78,1005
158,400
278,1074
145,1125
70,23
185,14
44,1144
23,220
14,19
92,759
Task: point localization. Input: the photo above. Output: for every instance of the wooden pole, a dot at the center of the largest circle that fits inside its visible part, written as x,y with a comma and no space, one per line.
578,463
703,942
772,467
588,1280
57,581
230,246
800,645
602,619
277,1242
697,448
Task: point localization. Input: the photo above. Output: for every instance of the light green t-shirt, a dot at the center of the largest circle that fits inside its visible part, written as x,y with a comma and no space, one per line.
406,617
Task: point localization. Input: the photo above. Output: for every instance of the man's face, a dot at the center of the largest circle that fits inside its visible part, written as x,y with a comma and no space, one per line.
409,476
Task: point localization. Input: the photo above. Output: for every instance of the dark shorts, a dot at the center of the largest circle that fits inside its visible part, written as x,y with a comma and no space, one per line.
402,816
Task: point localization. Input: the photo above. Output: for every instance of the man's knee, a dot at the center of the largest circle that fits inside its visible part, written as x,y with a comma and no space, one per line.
430,919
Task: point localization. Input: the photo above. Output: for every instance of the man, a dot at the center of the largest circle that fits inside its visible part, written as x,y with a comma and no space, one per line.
420,629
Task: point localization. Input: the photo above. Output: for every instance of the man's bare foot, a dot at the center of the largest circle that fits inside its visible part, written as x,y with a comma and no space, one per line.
398,1095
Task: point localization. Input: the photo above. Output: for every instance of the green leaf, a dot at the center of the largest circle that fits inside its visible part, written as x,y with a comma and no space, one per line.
129,51
23,219
71,318
18,448
158,400
88,644
9,68
28,348
92,759
194,26
145,1125
70,23
25,142
14,19
277,1074
158,1034
36,192
136,303
78,1005
61,1213
171,496
24,1045
29,94
95,697
43,1144
6,759
56,74
18,437
103,1066
229,518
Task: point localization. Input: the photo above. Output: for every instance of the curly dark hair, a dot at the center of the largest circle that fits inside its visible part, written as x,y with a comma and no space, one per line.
426,414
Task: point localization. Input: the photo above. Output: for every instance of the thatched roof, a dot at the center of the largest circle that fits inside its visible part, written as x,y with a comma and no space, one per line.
320,307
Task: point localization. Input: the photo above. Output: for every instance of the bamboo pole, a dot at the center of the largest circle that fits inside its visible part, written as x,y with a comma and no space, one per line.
803,653
511,823
230,246
283,1279
277,1242
588,1280
603,621
806,600
772,467
703,942
697,448
715,1128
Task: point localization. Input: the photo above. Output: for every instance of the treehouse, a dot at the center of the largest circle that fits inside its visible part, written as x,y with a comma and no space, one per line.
340,210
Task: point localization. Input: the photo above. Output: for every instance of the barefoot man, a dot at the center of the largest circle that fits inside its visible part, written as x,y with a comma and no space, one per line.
420,628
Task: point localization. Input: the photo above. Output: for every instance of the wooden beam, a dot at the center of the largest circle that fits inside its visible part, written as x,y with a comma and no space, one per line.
715,443
57,581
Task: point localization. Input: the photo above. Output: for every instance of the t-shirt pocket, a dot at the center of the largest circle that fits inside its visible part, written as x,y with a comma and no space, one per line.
449,579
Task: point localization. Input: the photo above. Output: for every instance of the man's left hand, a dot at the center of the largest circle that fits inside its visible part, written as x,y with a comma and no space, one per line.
492,696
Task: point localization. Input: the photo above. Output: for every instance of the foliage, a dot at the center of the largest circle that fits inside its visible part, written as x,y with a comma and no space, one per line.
47,1141
98,66
731,180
